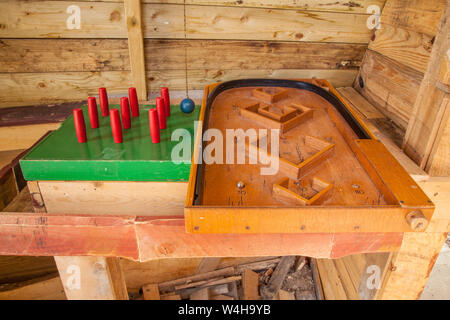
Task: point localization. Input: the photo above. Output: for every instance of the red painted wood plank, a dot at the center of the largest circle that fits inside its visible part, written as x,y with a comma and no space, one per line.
147,238
42,235
345,244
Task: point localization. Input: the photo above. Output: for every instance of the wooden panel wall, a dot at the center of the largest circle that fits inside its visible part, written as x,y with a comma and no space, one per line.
398,56
46,57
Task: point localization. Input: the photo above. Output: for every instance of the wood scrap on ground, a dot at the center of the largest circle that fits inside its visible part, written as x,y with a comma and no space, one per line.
281,278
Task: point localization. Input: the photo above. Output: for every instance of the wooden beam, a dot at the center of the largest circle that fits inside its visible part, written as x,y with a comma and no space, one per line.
92,278
147,238
412,266
270,291
136,46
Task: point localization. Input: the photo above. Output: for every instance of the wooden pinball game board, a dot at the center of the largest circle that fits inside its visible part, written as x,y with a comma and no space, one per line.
332,175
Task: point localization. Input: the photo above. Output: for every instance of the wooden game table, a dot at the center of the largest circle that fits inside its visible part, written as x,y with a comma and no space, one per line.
134,211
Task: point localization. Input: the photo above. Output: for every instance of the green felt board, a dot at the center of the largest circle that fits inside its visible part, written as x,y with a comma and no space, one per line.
60,157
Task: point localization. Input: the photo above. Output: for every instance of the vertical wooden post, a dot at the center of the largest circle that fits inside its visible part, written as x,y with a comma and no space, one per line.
412,266
429,110
92,278
136,46
85,278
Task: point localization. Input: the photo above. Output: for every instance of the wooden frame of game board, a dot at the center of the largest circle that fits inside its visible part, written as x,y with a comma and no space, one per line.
92,239
404,197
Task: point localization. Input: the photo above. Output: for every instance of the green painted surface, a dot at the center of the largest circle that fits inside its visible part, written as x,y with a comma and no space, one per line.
60,157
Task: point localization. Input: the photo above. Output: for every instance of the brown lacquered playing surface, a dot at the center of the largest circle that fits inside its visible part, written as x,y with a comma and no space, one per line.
352,185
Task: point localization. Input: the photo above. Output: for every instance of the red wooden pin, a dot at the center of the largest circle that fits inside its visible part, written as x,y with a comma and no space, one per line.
154,126
161,113
165,95
93,112
134,103
80,126
125,111
116,126
103,97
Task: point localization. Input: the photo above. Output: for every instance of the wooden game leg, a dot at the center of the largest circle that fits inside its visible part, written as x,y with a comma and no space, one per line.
92,278
85,277
412,266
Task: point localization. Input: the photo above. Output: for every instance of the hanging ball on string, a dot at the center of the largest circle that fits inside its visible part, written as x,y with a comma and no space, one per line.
187,105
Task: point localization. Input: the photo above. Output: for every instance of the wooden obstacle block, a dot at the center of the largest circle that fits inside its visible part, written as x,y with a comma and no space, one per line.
283,118
309,154
269,95
302,192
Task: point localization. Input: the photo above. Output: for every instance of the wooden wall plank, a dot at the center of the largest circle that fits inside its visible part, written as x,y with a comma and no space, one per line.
390,86
429,112
163,21
358,6
420,16
48,19
405,46
39,88
23,137
197,79
59,55
231,54
205,22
